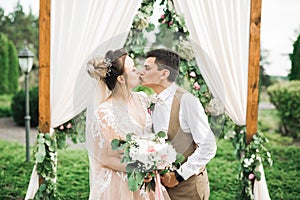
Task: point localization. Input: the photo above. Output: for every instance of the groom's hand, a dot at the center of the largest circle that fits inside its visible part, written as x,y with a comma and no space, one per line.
169,180
148,178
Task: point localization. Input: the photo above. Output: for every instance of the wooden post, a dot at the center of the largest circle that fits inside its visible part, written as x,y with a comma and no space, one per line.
253,70
44,69
44,66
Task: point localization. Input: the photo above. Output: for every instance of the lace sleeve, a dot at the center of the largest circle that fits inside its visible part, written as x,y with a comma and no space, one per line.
103,134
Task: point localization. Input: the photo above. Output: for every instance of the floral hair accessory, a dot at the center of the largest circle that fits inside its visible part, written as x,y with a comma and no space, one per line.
107,62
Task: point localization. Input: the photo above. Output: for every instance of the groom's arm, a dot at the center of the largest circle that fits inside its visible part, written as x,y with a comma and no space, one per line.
194,120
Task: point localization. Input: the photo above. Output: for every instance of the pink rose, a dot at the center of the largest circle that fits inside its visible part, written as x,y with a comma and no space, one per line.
196,86
69,125
170,23
251,176
164,157
163,16
150,149
61,127
193,74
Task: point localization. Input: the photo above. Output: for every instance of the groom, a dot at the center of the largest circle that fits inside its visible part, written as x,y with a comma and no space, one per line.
180,114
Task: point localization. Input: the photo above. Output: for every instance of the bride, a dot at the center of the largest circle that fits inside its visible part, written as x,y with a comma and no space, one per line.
122,112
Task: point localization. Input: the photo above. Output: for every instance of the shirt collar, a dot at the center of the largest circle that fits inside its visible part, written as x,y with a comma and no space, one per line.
168,92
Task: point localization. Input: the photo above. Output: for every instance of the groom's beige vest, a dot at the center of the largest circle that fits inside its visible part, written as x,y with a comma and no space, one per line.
197,186
182,141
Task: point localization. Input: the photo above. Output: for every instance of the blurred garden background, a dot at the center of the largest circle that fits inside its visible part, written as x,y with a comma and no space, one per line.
279,120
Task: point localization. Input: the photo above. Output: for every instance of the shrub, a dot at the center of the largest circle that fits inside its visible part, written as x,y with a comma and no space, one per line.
18,107
5,102
13,69
286,97
295,60
5,111
4,62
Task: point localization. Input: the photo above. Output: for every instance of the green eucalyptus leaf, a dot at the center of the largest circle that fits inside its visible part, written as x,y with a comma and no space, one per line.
128,137
132,183
179,158
40,140
161,134
47,136
257,175
39,157
203,88
115,143
61,144
42,187
48,142
150,27
131,167
135,180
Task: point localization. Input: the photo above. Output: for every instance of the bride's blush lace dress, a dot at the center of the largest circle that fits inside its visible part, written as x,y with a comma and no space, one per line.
108,180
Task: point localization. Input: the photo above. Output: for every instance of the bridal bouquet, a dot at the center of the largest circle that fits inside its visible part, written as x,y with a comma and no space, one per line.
147,157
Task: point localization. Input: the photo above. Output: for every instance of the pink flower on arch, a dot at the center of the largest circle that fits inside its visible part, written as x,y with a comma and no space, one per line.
61,127
192,74
251,176
196,86
69,125
163,16
170,23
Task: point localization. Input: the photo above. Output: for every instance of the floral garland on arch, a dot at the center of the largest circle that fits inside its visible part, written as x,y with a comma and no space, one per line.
251,156
45,153
173,26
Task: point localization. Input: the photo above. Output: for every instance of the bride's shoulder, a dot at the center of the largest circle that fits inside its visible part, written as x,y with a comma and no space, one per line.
141,95
104,106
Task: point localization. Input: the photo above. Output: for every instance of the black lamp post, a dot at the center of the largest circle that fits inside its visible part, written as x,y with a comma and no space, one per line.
26,61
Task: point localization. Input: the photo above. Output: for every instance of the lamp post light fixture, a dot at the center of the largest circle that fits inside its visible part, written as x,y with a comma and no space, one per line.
26,61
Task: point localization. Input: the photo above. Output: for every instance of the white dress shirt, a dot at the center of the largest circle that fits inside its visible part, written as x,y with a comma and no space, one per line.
192,119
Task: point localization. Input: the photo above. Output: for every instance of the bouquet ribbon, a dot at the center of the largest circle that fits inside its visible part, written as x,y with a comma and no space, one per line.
158,186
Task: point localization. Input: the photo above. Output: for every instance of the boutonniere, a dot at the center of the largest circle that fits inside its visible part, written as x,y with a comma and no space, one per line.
153,100
151,107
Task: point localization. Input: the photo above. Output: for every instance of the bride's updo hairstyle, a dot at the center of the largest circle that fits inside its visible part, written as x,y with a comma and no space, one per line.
108,68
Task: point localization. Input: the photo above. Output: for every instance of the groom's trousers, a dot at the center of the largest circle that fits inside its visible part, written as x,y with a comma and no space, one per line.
194,188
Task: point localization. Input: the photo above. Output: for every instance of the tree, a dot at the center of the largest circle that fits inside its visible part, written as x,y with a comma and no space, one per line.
295,60
20,27
13,68
265,79
3,64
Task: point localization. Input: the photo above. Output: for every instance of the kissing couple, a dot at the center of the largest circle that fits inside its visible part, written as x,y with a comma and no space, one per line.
176,112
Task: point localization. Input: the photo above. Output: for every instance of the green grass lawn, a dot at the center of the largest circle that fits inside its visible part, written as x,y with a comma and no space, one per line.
283,178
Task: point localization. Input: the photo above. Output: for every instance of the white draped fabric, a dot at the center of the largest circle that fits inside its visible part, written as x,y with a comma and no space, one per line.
260,188
79,31
219,31
79,28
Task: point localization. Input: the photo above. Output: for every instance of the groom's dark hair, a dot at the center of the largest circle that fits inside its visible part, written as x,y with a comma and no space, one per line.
166,59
